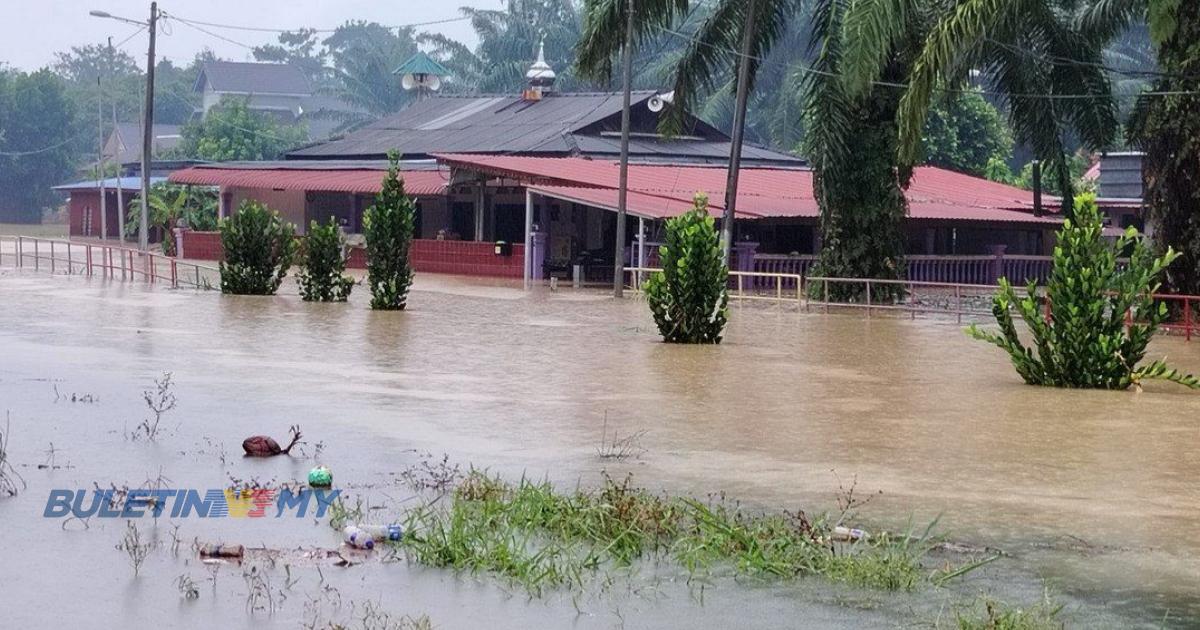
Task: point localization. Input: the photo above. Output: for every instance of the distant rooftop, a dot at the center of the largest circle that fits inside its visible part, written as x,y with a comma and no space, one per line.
232,77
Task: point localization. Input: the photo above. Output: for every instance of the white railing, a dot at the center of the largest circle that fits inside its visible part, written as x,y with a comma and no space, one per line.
745,285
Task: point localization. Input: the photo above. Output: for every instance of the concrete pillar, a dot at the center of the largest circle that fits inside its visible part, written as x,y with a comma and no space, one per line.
537,257
480,207
179,241
998,262
743,256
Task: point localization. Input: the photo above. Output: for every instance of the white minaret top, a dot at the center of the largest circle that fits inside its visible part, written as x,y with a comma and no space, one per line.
541,76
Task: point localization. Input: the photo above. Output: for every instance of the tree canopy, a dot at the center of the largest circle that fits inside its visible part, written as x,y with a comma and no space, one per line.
39,140
233,131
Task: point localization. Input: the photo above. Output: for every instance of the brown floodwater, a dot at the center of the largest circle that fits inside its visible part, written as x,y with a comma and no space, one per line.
1094,495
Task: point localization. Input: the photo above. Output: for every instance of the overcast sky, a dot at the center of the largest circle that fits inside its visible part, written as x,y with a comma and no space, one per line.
33,30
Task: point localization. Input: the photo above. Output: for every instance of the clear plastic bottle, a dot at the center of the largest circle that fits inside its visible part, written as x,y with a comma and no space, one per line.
356,537
392,533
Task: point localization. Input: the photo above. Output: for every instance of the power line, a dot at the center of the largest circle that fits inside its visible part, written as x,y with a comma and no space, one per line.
41,150
259,29
208,32
806,69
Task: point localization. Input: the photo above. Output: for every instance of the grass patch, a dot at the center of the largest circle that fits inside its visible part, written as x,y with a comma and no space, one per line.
539,537
992,615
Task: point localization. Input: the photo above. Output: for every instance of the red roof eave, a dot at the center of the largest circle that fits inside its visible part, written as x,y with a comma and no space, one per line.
363,181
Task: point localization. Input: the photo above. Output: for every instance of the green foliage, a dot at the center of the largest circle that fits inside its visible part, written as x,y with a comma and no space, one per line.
171,203
993,615
259,249
689,297
1086,342
233,131
323,277
38,143
851,145
539,537
388,229
965,133
1167,129
1019,45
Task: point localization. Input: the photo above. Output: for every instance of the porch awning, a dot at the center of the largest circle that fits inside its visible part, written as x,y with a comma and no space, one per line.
365,181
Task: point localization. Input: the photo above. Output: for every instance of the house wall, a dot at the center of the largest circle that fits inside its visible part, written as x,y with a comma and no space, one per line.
210,99
290,204
84,210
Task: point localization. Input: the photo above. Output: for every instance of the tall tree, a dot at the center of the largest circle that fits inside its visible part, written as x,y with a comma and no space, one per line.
233,131
301,48
39,138
363,56
120,80
1050,72
1166,124
508,44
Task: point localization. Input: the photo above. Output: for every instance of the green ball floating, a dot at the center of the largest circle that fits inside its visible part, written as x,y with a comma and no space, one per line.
320,477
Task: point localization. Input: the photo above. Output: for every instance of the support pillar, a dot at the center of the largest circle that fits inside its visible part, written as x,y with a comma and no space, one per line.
480,207
997,270
537,259
528,263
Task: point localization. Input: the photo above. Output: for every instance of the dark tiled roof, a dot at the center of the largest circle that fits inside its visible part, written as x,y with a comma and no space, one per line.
253,78
558,124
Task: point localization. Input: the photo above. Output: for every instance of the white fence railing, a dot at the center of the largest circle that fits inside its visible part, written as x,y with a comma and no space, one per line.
105,261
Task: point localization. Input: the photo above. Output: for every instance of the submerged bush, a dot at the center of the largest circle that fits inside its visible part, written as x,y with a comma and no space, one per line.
1086,341
259,248
689,297
388,229
323,277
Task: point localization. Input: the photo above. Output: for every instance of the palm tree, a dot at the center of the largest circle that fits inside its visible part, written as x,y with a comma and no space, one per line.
508,43
1049,72
1165,123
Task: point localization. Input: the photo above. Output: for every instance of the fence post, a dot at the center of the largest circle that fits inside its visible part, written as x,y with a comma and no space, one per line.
51,257
87,258
958,302
20,251
197,276
826,281
37,258
868,298
70,262
1187,319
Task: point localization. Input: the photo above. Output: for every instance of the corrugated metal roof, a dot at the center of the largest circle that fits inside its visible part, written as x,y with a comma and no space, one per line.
126,183
419,182
253,78
762,192
559,124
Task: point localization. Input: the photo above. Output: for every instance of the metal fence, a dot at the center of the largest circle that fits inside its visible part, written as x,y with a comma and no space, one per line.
909,298
105,261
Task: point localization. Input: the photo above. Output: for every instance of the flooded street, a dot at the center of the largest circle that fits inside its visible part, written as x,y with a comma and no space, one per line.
1095,495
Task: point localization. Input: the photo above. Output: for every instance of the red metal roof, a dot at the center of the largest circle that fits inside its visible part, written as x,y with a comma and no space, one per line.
762,192
349,181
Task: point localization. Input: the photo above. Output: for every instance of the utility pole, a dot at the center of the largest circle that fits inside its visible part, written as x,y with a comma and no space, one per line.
739,127
623,184
148,134
100,159
120,184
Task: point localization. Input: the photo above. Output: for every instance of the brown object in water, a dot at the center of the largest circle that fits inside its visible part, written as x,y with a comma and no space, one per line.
266,446
222,551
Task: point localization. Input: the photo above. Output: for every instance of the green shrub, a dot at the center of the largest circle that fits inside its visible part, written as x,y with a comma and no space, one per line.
259,249
1085,342
689,297
323,279
388,229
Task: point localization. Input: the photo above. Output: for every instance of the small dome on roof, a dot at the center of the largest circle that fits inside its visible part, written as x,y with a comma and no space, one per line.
540,73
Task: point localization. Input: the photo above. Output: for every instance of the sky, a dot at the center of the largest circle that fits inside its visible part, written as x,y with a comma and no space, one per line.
34,30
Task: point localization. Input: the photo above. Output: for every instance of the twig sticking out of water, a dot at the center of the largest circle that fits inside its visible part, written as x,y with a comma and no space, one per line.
159,400
619,447
133,546
9,477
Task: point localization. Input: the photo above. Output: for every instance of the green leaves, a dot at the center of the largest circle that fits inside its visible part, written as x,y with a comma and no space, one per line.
689,298
323,279
1101,317
388,228
259,248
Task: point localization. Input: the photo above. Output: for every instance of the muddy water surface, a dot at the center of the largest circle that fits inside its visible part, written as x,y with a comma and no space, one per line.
1095,494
